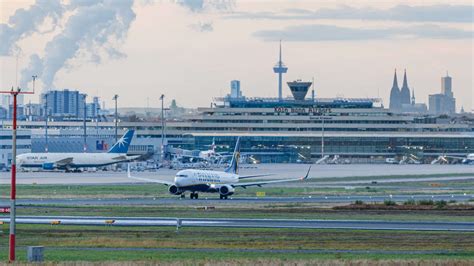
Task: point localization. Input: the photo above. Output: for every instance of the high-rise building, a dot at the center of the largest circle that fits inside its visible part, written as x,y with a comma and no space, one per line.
444,102
446,83
235,91
64,103
93,108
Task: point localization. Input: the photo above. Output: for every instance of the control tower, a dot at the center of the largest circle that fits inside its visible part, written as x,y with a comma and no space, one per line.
299,89
280,68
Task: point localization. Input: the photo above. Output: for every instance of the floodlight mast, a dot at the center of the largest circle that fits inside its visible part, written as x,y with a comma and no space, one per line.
115,98
14,93
162,98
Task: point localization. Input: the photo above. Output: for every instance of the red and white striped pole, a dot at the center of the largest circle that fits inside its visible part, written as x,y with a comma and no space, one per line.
13,181
14,93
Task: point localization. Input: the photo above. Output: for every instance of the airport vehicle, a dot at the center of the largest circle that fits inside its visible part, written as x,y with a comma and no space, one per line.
391,161
469,159
76,161
222,182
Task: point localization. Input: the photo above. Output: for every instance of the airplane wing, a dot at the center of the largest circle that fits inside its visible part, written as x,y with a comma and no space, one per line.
252,176
455,157
120,158
261,183
163,182
64,162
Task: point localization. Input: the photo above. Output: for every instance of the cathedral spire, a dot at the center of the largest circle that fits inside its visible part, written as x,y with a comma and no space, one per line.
395,94
405,91
413,96
395,80
405,82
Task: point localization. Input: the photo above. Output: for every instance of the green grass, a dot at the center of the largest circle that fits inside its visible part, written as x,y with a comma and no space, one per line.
296,211
240,258
160,191
370,178
62,243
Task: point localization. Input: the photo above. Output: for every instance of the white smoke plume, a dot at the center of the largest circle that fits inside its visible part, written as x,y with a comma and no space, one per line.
27,21
92,29
206,5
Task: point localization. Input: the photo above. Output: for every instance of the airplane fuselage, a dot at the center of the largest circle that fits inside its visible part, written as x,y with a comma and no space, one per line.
77,160
204,181
191,177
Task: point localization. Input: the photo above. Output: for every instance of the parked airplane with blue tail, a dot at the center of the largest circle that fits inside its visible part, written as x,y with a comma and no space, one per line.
76,161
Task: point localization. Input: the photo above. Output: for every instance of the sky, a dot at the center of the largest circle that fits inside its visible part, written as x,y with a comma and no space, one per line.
190,50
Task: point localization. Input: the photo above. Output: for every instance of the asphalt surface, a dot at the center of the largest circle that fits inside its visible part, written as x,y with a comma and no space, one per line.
213,199
247,223
277,171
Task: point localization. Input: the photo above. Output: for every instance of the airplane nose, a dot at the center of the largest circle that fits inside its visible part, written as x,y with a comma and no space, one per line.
177,181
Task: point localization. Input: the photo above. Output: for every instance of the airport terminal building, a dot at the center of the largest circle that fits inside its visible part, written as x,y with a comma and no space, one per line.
294,129
23,145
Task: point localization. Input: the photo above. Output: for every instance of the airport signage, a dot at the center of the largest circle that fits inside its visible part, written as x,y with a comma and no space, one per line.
303,110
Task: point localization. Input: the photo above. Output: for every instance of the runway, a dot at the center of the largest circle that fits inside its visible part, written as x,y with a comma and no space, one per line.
210,199
246,223
277,171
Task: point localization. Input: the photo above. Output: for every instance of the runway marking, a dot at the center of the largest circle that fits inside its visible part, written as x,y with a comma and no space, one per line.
252,223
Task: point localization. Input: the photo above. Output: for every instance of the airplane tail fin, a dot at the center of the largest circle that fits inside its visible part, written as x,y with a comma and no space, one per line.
234,163
123,143
213,145
307,174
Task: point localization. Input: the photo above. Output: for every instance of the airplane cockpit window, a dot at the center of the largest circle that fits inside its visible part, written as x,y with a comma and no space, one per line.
182,175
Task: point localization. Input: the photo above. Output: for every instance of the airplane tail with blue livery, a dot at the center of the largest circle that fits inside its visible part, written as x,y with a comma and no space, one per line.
123,143
234,163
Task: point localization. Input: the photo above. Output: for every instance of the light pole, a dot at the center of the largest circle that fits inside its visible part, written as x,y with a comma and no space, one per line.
116,117
14,93
85,123
46,118
322,137
96,105
162,98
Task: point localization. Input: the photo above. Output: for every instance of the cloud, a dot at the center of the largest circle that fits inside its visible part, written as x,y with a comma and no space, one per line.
93,28
202,6
405,13
318,32
202,26
206,5
24,22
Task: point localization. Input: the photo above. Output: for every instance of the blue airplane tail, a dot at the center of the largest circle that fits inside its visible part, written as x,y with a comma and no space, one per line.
123,143
234,163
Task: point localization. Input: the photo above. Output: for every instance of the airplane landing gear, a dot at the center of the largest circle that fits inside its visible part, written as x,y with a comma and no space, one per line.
194,195
183,196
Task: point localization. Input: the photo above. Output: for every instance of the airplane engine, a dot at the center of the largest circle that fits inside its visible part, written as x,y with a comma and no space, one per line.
174,190
226,190
49,166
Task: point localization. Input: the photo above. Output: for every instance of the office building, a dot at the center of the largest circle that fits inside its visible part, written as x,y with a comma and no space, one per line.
64,104
444,102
